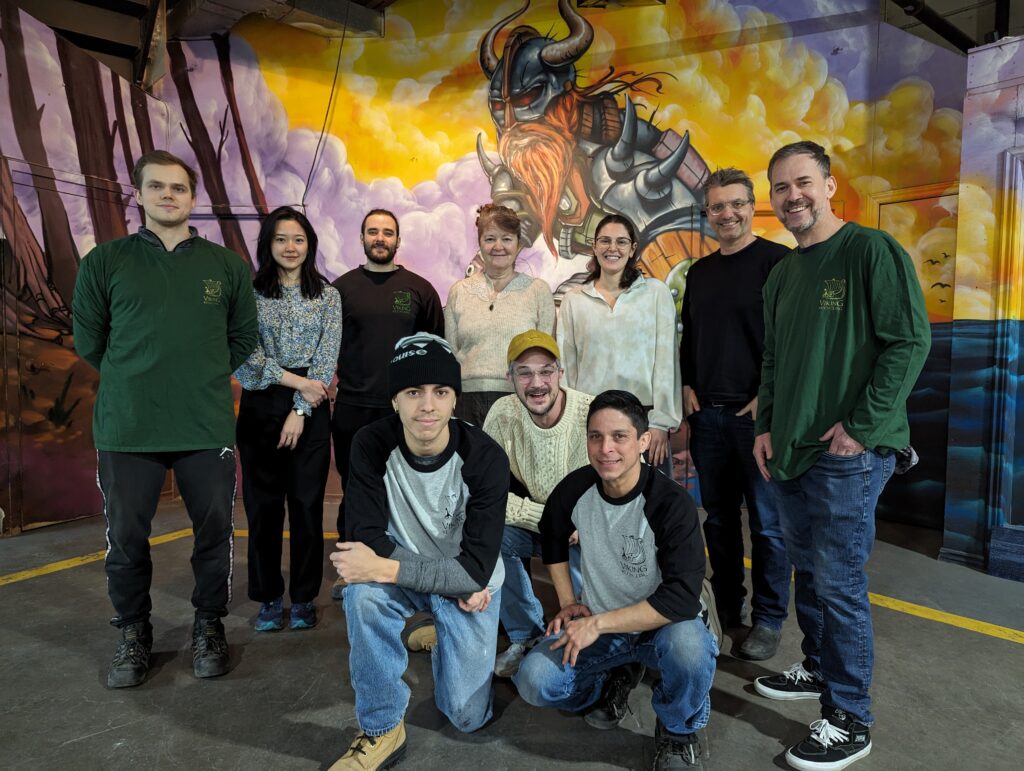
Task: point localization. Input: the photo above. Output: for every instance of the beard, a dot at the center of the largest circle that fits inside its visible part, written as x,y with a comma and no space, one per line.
376,258
540,157
813,215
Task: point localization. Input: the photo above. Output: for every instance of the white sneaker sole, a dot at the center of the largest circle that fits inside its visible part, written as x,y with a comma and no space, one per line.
807,765
770,693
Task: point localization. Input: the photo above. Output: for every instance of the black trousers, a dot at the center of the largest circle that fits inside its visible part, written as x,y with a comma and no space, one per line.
131,483
346,421
272,477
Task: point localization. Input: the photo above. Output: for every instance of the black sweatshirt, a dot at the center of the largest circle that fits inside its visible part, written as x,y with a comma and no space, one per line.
377,310
646,545
723,322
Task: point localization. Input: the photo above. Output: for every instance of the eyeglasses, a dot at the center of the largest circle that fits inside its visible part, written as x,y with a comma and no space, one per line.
525,375
605,242
737,205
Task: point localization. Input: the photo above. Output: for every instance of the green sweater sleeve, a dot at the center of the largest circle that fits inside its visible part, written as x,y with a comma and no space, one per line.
91,311
901,325
243,324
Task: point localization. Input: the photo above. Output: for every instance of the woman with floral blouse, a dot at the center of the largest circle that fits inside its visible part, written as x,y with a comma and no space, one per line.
283,433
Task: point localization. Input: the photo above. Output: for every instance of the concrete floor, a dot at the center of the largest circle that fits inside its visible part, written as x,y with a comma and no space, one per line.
945,697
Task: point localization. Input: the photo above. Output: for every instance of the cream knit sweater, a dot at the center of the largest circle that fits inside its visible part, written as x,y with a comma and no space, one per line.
480,324
540,457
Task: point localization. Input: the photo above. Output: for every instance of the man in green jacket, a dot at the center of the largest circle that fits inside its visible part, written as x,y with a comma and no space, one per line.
846,336
165,316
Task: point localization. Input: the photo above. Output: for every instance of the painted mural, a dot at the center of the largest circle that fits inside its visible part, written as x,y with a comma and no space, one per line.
562,114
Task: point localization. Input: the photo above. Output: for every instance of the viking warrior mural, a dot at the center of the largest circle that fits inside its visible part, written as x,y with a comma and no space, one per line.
568,154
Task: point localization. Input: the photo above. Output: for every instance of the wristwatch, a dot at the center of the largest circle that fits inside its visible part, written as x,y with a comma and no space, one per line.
298,412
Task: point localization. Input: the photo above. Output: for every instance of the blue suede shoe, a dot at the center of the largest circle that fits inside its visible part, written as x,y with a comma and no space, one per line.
303,616
271,617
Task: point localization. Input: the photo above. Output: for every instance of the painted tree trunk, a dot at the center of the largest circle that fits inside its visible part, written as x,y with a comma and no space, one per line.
60,255
206,154
94,140
143,127
121,124
223,45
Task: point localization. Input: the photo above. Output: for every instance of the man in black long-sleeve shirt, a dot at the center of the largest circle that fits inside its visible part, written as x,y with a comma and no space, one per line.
381,302
720,358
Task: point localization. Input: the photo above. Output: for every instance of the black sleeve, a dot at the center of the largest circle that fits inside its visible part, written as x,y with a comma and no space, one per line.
556,522
687,367
486,473
672,515
366,504
432,313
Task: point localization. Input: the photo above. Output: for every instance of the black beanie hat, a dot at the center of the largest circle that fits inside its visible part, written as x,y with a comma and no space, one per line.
423,359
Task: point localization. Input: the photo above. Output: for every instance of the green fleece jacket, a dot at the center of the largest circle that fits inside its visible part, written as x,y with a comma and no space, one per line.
846,336
165,330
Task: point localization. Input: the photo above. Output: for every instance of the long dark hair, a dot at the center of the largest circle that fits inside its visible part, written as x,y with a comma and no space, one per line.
632,272
266,282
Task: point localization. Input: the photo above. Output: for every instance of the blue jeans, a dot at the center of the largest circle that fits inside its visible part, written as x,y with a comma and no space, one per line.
828,519
722,447
462,660
521,611
683,652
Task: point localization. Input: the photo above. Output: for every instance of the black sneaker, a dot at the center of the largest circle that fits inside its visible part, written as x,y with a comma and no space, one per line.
209,648
613,705
836,741
795,683
675,750
761,643
131,659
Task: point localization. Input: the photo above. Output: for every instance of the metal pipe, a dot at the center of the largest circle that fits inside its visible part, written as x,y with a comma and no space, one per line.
921,11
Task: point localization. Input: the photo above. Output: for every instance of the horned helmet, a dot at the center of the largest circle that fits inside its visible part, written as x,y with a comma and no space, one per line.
533,69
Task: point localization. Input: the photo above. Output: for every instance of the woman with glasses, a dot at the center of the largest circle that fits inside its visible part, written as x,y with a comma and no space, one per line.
283,431
487,309
618,331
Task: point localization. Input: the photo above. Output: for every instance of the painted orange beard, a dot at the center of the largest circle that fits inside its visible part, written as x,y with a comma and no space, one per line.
540,156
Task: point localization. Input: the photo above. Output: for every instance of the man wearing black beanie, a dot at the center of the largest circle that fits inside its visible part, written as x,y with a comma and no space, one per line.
423,525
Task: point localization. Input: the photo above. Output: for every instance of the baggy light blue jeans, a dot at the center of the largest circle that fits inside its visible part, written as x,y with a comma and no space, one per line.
462,660
684,653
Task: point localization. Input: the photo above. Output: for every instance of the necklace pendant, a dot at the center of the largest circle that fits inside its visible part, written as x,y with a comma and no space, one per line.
492,307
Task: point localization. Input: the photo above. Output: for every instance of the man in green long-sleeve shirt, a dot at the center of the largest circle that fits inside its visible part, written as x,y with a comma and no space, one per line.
846,336
165,316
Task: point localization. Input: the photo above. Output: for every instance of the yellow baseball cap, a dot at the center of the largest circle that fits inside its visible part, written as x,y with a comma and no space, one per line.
531,338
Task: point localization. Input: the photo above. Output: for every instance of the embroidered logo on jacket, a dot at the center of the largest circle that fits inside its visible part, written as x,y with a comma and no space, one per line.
212,291
454,515
402,301
833,296
634,556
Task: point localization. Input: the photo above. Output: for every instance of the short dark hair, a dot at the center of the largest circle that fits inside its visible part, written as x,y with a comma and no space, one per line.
266,281
624,402
162,158
362,228
632,272
804,147
728,176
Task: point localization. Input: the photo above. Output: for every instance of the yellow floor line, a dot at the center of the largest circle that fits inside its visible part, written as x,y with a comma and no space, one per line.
882,601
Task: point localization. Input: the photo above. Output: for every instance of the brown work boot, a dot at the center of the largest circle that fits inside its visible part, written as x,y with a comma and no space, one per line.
369,753
421,635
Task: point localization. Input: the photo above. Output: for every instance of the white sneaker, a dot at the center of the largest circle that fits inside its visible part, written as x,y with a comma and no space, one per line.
507,663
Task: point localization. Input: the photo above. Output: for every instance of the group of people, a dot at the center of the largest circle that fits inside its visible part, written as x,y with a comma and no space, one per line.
473,437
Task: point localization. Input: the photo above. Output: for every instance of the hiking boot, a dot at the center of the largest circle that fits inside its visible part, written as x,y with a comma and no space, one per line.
421,635
507,663
613,705
338,588
271,616
368,753
209,648
761,643
795,683
131,659
836,741
675,750
303,616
